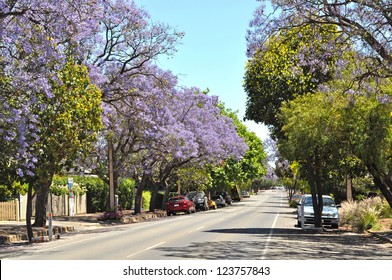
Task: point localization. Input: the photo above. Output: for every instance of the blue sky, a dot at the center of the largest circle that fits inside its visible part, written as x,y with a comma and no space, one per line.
212,53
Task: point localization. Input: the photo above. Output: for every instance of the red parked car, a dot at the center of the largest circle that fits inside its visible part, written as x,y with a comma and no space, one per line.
180,203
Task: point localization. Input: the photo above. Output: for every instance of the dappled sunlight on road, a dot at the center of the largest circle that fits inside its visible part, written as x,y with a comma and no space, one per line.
286,244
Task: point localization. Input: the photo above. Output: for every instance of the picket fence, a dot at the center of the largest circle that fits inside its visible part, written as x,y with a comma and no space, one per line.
9,210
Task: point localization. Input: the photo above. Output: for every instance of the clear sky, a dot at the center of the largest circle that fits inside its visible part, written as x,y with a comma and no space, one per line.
212,53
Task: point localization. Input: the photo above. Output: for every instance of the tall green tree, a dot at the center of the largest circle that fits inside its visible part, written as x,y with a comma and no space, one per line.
311,138
69,123
368,122
279,71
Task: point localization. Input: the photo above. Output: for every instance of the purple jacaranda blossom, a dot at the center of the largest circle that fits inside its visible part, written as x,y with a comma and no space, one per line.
366,25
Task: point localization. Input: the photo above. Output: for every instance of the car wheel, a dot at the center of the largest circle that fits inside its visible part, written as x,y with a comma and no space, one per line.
168,213
335,226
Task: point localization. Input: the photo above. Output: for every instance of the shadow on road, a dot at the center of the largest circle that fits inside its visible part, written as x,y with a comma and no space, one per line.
285,244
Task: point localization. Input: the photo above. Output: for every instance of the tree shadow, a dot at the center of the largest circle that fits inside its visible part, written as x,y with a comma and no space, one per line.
285,244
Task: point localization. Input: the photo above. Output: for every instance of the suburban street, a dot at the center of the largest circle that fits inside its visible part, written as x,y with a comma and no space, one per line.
260,227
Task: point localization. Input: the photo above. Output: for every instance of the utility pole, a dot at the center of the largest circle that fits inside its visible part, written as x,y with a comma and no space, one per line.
111,179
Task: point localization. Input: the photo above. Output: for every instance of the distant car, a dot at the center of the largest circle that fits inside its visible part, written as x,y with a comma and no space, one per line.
180,203
212,204
226,196
329,216
199,198
245,194
235,193
294,201
219,200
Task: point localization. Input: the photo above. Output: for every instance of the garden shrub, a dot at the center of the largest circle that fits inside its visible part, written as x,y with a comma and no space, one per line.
125,192
146,200
97,194
363,215
110,216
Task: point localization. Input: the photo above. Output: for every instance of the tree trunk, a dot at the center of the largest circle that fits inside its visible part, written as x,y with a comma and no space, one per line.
154,195
315,186
166,196
383,182
139,194
349,188
29,212
41,203
318,222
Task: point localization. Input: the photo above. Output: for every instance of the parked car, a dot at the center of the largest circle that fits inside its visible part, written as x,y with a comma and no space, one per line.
329,216
235,193
219,200
226,196
245,194
294,200
212,204
180,203
200,199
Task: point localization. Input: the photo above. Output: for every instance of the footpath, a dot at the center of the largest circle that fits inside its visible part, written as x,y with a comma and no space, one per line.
12,231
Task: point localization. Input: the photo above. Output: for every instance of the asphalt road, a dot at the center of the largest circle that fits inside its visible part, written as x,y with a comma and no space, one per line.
260,227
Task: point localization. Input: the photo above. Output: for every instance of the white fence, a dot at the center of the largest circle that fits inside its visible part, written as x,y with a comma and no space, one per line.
15,210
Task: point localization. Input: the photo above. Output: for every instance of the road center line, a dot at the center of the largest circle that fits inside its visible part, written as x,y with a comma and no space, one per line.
149,248
271,232
199,228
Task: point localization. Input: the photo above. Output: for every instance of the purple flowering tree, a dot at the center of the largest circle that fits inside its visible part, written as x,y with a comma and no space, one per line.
38,41
120,54
192,132
160,128
34,39
367,24
115,39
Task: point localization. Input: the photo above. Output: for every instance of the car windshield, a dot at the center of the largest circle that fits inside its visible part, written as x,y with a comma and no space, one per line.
191,195
327,201
175,199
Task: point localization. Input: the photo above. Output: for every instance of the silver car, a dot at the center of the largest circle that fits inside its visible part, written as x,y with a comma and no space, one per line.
329,216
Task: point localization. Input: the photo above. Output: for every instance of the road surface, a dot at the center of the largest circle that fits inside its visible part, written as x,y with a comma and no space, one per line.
257,228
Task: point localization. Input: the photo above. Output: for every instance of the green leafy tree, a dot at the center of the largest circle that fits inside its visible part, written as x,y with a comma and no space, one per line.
311,138
69,122
279,71
367,120
251,167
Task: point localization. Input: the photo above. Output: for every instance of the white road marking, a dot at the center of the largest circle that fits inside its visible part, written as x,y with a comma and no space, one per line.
271,232
199,228
149,248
